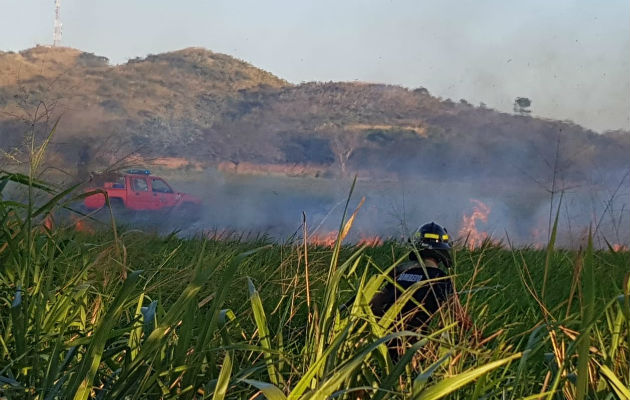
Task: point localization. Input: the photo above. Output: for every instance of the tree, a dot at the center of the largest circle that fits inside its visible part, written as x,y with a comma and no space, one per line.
344,144
521,105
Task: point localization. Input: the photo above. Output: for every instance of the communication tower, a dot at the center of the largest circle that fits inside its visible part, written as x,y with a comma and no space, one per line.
57,30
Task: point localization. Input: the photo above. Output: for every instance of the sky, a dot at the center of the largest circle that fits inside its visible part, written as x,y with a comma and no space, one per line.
571,58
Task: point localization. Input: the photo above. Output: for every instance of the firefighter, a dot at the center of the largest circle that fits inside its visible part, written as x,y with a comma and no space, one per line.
431,244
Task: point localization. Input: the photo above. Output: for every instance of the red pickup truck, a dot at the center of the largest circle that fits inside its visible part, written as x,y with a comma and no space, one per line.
138,190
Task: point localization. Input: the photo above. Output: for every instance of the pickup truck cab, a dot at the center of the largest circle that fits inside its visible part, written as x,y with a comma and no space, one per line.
138,190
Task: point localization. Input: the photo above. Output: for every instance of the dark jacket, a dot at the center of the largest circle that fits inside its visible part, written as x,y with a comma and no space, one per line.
431,295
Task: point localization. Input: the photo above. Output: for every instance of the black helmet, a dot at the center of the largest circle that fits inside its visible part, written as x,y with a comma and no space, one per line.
431,240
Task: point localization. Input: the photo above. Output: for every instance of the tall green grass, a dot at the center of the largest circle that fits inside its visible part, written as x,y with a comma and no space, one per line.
127,315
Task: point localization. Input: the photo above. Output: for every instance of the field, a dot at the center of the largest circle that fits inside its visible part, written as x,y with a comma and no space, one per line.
121,314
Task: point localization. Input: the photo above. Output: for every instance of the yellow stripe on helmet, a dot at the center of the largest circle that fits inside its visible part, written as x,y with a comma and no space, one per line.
435,236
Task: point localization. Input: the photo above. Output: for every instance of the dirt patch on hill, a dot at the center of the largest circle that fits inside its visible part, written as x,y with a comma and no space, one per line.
247,168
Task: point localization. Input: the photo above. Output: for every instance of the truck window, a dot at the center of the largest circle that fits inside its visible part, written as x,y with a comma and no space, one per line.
160,186
139,185
120,183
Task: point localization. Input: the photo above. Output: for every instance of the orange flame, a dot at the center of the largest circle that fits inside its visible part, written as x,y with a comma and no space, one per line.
370,241
329,239
617,247
49,222
81,225
474,237
323,240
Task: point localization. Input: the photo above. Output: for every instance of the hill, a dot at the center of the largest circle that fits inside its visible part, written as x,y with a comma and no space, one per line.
215,110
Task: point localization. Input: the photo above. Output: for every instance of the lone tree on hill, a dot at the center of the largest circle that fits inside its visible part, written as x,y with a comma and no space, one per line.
521,106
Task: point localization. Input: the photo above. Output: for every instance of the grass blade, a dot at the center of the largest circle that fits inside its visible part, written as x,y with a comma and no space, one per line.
621,390
224,378
550,247
270,391
82,382
449,385
263,331
588,290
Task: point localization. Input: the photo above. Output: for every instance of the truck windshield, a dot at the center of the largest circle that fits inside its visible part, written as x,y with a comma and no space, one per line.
160,186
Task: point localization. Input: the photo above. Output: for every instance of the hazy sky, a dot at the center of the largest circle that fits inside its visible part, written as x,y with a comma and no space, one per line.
572,58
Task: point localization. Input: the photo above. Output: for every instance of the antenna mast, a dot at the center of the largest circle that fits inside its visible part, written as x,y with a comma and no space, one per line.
57,30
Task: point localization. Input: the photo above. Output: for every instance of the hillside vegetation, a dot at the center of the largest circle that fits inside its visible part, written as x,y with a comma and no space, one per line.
211,108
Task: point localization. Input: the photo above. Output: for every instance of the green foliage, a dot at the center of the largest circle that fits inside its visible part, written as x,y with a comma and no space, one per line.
125,315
